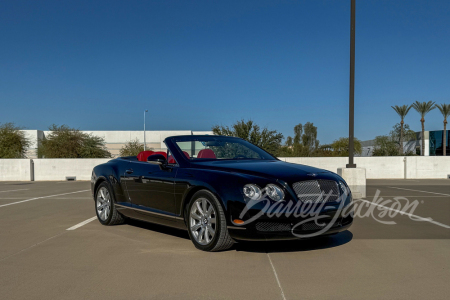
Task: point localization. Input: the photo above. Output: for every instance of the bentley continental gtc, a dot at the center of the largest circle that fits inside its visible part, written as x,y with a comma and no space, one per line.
221,190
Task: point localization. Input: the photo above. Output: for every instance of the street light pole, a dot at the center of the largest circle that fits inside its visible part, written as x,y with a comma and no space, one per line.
144,128
351,126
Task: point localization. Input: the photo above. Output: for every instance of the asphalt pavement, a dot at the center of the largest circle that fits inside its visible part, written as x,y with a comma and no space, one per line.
393,251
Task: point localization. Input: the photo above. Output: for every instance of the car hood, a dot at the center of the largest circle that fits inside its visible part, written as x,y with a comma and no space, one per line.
274,169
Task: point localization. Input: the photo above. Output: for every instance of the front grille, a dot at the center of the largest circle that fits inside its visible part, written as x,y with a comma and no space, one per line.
311,226
273,226
317,191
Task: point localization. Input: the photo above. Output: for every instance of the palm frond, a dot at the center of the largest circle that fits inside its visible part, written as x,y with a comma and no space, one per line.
444,109
423,107
402,111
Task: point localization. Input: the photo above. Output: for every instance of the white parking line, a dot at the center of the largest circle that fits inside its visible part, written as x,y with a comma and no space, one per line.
408,214
82,223
276,277
14,190
42,198
393,187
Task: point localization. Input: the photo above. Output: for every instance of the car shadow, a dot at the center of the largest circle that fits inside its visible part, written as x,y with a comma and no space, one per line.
318,243
158,228
323,242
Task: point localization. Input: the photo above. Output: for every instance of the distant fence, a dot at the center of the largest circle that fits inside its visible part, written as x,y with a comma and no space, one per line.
395,167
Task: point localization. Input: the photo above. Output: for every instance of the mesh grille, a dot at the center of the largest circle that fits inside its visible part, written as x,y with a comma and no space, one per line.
313,226
272,226
317,190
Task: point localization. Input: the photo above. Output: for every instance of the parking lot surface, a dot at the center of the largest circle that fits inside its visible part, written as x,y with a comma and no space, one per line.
397,256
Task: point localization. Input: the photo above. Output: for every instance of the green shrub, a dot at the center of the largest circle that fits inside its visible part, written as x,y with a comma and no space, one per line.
13,143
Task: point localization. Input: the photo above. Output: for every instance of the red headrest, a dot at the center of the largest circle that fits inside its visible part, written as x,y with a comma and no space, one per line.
162,153
143,155
187,154
206,153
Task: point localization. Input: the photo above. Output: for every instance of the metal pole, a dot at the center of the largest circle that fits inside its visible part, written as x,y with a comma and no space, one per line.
351,126
144,129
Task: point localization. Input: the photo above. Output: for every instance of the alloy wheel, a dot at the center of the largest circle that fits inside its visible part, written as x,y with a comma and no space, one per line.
202,221
103,203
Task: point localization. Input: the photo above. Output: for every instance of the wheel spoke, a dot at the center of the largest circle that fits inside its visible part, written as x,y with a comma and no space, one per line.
212,220
102,194
210,209
211,230
200,235
204,204
199,208
195,216
195,227
207,235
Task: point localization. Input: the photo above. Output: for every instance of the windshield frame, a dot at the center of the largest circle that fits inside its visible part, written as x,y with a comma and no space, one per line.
191,138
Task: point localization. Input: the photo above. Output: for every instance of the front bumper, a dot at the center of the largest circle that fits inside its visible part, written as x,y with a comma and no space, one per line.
326,220
252,233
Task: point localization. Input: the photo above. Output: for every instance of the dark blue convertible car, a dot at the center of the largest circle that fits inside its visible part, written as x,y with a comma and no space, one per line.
222,190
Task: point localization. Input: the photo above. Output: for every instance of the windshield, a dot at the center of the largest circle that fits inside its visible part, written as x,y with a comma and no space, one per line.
218,147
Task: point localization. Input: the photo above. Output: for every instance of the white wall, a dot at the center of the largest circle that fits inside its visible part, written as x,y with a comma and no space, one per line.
427,167
15,169
327,163
382,167
376,167
59,168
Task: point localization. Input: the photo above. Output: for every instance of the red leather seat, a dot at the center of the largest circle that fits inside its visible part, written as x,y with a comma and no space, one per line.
171,160
143,155
206,153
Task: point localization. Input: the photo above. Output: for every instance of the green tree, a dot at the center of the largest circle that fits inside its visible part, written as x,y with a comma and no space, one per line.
385,146
304,142
13,143
132,148
423,108
396,132
269,140
445,111
340,147
402,111
66,142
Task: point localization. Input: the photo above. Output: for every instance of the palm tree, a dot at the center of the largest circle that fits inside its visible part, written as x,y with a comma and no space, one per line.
445,111
402,111
423,108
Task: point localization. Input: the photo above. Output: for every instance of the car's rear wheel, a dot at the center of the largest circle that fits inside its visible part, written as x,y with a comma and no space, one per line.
106,211
206,223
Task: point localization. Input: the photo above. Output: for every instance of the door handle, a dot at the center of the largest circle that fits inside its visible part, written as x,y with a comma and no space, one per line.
129,171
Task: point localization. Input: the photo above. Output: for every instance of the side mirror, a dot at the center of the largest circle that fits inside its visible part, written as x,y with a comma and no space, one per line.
157,159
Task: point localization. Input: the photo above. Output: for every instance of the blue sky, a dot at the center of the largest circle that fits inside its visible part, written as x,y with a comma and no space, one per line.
97,65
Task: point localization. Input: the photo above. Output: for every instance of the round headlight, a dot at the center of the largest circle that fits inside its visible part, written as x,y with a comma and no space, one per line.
274,192
252,191
344,188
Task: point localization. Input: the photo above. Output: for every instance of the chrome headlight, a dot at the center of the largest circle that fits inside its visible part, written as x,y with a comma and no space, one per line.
274,192
344,188
252,191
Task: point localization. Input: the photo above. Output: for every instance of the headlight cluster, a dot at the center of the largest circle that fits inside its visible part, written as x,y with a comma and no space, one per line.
344,188
254,192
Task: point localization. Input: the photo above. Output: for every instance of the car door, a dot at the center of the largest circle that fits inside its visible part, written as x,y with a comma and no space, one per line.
151,186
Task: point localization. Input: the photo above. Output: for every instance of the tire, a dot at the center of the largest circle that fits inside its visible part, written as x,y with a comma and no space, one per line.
105,209
216,221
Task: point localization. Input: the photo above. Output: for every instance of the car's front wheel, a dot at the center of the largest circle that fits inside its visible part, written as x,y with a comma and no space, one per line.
106,211
206,223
